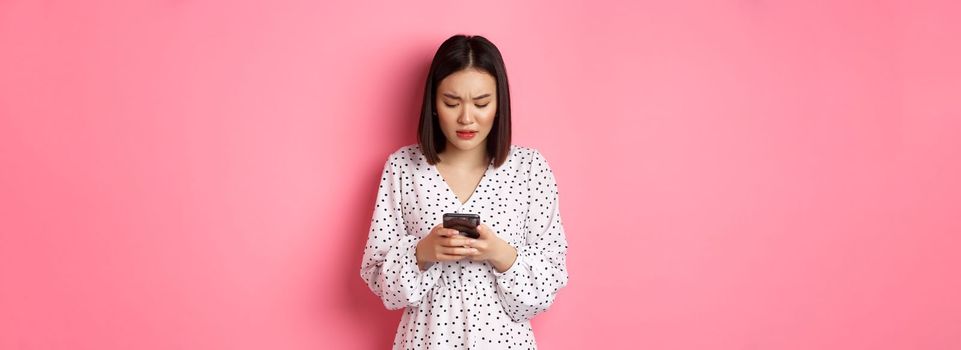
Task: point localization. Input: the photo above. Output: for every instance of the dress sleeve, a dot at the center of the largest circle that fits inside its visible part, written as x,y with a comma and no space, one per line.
529,286
389,266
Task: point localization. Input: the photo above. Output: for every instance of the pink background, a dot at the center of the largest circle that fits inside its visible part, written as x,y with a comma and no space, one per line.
733,174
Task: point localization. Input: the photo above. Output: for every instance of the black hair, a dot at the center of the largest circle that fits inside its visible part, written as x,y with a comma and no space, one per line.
454,54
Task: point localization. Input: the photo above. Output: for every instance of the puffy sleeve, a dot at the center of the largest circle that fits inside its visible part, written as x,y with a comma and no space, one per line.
389,265
529,286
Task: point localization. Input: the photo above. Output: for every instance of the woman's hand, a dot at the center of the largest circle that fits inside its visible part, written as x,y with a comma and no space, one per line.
493,249
442,244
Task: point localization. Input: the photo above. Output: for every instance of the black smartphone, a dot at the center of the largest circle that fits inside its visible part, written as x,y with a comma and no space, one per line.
464,223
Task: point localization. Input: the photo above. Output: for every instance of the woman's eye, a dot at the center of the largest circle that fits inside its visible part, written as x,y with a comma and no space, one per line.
450,105
482,106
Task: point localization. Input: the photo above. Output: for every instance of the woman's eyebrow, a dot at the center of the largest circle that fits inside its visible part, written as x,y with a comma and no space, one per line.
452,96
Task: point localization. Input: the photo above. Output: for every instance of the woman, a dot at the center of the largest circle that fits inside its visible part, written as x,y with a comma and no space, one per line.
461,292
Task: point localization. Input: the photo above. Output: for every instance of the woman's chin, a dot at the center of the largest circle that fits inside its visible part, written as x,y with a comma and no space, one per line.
465,145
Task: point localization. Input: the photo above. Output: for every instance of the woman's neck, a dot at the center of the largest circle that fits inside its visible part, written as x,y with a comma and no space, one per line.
457,158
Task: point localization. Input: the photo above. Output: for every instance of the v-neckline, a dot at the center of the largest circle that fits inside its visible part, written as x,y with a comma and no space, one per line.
453,195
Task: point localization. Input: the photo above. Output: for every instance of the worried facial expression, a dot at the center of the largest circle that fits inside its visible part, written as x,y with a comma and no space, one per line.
466,106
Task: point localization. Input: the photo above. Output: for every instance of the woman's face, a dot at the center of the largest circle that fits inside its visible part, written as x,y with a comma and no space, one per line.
466,105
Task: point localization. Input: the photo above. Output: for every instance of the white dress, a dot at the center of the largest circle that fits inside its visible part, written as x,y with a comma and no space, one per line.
466,304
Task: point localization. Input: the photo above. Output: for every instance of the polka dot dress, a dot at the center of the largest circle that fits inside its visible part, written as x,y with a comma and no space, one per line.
466,304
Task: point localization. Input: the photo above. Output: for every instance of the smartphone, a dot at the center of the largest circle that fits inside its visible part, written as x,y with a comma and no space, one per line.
464,223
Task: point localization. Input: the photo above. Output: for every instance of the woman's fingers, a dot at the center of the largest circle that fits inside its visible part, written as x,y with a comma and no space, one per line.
449,245
460,251
456,241
446,257
485,231
447,232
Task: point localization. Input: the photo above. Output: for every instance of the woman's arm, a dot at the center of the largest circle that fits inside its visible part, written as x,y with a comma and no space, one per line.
390,266
529,286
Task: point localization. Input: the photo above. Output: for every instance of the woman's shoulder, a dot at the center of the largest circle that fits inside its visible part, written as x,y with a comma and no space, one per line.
407,155
531,165
525,156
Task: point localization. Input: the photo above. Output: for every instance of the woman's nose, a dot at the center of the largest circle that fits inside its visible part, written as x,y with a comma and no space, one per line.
465,117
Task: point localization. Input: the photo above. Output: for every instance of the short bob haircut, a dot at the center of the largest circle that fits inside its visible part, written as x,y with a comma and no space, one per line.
457,53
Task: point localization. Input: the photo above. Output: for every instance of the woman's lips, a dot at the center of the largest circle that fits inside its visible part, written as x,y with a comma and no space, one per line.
466,135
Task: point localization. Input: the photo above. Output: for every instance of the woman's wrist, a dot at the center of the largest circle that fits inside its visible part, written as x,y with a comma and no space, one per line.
421,263
505,257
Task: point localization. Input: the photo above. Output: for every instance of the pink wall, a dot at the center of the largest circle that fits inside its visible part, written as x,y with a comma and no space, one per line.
733,174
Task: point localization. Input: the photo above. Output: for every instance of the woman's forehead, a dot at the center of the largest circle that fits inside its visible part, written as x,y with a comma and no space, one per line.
472,81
